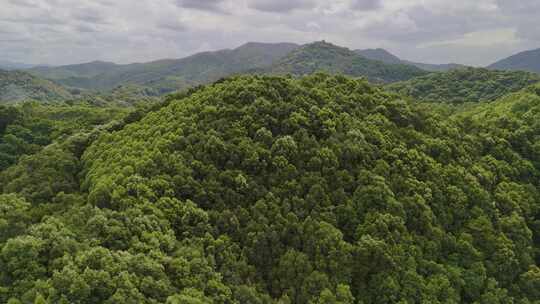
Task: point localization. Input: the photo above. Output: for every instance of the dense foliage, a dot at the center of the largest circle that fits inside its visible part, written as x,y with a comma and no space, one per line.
19,86
257,189
123,95
26,128
465,85
323,56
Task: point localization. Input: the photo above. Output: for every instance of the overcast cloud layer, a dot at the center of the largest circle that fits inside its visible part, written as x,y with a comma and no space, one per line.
438,31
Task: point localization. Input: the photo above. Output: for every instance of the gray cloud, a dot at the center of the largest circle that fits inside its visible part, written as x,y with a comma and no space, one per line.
280,6
26,3
41,19
173,25
520,7
366,5
526,15
419,24
14,40
86,29
90,15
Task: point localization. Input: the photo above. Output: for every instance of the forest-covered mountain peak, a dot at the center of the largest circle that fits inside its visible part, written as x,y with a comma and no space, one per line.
325,56
325,45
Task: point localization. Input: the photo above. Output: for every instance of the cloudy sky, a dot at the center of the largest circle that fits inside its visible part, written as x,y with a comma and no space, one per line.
475,32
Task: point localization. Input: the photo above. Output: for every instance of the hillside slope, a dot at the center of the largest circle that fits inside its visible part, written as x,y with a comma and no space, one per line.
18,86
465,85
379,55
323,56
524,61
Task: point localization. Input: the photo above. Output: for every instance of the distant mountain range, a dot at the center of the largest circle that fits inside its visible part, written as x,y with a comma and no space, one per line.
387,57
169,74
524,61
21,86
163,76
174,74
8,65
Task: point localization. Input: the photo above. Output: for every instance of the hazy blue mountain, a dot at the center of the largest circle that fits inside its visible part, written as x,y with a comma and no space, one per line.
444,67
525,61
387,57
8,65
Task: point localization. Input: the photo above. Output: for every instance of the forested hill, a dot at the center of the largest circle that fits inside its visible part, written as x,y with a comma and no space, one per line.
171,74
19,86
465,85
323,56
524,61
260,189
